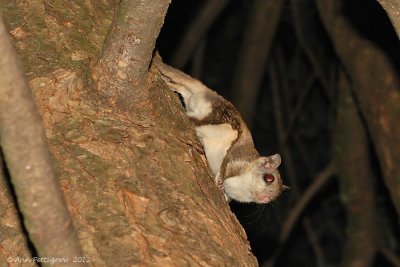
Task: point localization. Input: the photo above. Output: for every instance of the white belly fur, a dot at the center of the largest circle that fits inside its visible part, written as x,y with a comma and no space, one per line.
216,140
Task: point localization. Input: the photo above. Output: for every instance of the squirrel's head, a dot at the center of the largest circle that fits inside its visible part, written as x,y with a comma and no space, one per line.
260,182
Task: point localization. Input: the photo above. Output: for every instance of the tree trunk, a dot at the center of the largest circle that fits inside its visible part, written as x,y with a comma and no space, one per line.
24,145
132,171
357,188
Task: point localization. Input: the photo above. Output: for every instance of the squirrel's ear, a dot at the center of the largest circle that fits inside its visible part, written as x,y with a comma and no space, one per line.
275,160
270,162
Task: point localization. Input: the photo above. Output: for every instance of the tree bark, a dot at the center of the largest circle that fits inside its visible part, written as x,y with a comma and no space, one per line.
134,176
357,188
28,159
376,87
127,51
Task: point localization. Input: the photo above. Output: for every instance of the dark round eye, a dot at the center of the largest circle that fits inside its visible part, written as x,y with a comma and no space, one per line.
269,178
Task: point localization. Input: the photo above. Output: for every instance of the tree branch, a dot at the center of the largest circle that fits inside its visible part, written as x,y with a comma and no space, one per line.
28,159
196,31
198,60
320,180
273,69
304,28
376,86
357,190
123,65
253,56
390,256
279,109
312,236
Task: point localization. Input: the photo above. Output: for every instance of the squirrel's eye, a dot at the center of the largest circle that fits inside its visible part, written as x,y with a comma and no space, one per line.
269,178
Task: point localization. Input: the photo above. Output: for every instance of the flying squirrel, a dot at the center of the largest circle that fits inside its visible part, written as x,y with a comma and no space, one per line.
240,172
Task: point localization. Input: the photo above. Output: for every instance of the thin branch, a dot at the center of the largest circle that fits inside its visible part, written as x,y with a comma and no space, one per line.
301,100
303,155
196,31
257,43
121,71
198,59
28,159
318,251
279,110
320,180
302,22
390,256
273,70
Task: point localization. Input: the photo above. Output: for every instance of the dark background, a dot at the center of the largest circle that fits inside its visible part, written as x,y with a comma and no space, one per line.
306,106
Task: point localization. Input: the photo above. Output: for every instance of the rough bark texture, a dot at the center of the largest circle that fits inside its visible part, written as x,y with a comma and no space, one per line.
255,49
127,51
377,89
24,144
357,187
135,182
